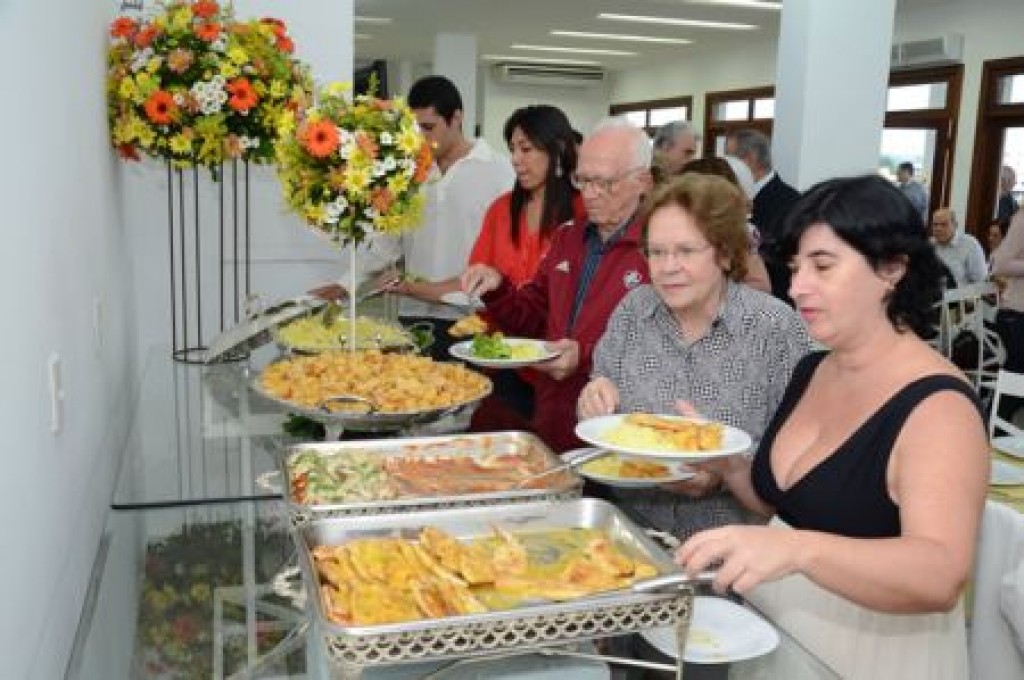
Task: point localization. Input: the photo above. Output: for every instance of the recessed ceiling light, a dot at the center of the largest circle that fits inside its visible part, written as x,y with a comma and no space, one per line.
539,60
746,4
376,21
620,36
573,50
677,22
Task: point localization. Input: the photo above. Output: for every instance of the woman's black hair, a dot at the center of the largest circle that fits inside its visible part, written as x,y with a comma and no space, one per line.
876,219
548,129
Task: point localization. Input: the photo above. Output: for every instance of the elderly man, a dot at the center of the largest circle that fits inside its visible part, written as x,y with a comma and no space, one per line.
960,252
772,201
1007,204
675,145
590,265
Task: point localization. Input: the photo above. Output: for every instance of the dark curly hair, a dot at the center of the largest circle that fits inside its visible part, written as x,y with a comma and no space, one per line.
876,219
549,130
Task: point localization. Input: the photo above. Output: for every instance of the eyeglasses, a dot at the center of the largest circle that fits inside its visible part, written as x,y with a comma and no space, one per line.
603,185
678,253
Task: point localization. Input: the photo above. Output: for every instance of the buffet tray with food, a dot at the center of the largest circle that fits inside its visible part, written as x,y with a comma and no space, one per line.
370,390
402,475
328,330
459,582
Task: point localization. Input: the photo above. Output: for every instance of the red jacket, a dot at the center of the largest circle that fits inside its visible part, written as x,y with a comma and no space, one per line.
542,308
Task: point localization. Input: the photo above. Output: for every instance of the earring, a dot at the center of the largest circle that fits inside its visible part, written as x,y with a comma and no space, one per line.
558,168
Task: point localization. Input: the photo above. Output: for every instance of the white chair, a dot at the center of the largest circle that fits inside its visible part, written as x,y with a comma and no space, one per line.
995,651
965,308
1007,384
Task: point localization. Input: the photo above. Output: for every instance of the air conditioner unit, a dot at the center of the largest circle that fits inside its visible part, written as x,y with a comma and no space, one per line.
946,49
560,75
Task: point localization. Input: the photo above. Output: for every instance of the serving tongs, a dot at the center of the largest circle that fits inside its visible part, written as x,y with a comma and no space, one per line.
571,463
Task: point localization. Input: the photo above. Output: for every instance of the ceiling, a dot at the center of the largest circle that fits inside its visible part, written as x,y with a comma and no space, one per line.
498,25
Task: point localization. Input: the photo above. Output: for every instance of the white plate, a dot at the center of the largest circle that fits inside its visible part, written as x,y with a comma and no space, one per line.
460,299
676,473
734,441
464,351
1010,445
720,632
1005,474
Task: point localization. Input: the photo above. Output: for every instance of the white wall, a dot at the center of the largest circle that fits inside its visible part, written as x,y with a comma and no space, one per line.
65,248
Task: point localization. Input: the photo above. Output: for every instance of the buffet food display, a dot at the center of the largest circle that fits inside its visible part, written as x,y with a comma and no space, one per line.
647,431
324,332
371,389
459,582
403,475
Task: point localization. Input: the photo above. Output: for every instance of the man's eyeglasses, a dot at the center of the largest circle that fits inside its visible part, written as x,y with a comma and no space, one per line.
603,185
679,253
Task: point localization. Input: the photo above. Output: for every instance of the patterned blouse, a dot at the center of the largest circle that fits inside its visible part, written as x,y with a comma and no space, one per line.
736,373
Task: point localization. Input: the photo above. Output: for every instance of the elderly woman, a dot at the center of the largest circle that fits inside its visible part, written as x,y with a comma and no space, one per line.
695,335
875,466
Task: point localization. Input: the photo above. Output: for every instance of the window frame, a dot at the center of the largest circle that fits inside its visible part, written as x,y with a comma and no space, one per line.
714,129
648,105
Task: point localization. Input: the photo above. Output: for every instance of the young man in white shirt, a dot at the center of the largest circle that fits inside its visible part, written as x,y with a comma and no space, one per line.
467,177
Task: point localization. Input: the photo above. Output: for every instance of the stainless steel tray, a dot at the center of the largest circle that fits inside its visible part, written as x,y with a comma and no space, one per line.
565,485
377,421
256,330
534,625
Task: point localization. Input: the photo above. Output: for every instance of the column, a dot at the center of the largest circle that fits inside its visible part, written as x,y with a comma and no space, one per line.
830,93
455,58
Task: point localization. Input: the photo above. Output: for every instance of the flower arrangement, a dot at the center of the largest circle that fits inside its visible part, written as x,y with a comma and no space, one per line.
196,87
350,165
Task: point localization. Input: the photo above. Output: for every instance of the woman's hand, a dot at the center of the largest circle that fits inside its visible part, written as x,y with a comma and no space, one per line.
567,361
703,483
332,292
479,279
599,397
749,555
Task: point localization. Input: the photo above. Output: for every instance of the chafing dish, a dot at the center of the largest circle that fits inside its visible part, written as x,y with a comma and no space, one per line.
557,486
534,625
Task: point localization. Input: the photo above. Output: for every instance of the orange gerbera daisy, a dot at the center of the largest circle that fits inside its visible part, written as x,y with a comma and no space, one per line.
424,161
243,96
146,36
160,107
123,27
208,31
320,138
285,44
204,9
179,60
381,199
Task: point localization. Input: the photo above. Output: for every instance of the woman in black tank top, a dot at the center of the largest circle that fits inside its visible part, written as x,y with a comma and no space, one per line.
875,466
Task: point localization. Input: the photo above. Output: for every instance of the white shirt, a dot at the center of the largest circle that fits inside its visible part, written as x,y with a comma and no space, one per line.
964,257
452,215
760,184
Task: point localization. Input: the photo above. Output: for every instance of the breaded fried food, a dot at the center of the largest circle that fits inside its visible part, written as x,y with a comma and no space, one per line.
375,604
468,326
443,547
608,558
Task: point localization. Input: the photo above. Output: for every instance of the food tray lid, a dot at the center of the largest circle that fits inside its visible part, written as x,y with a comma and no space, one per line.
255,330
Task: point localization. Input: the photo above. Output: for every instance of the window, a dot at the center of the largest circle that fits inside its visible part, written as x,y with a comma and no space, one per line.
732,110
998,141
921,114
651,115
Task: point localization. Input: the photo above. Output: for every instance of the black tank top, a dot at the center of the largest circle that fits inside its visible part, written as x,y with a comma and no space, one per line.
845,493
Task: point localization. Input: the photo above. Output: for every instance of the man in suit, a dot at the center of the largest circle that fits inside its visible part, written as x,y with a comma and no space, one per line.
772,200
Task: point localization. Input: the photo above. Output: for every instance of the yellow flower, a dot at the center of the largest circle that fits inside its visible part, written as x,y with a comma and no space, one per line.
181,142
181,19
337,89
286,124
409,141
278,89
398,183
128,90
154,64
145,135
145,85
315,213
228,70
357,178
238,55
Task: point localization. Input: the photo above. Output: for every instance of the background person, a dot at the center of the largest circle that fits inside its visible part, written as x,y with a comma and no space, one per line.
695,335
912,189
874,467
1008,266
589,267
1007,204
675,145
959,252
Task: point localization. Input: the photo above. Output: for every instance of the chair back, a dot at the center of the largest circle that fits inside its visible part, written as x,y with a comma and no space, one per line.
963,311
1008,384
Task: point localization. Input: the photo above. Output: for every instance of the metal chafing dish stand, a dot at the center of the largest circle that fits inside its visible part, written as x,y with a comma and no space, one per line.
537,628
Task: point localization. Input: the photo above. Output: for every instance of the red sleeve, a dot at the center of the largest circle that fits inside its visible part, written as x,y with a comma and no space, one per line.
523,312
485,250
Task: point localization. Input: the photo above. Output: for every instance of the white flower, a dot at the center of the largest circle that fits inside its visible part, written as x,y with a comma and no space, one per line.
390,163
179,98
345,150
378,169
386,139
218,81
220,44
141,59
341,203
345,137
332,214
370,212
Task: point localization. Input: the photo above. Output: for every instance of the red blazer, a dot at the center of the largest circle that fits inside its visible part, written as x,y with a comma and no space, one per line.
542,307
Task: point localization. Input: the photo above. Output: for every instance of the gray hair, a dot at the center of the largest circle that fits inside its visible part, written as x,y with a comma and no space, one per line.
643,152
1007,174
756,144
668,133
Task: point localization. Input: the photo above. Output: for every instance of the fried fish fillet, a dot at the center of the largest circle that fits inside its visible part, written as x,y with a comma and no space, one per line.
606,557
375,603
